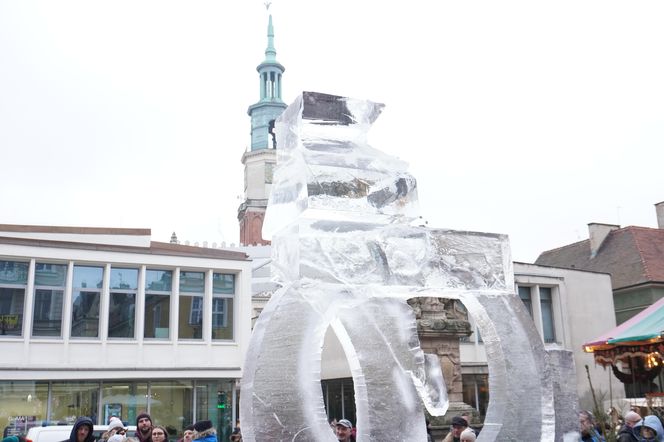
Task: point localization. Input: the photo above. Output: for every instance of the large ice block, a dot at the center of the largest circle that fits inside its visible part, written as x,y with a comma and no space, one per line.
348,258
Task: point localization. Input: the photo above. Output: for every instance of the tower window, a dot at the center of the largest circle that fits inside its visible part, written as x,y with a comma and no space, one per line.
270,130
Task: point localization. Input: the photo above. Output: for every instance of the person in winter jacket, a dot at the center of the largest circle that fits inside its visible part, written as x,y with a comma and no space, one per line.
650,429
82,431
204,432
588,429
626,432
459,424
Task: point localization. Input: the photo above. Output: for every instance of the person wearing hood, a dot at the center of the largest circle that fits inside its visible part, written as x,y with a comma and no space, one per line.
82,431
650,429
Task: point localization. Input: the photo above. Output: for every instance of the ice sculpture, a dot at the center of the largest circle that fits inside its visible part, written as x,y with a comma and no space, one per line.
348,257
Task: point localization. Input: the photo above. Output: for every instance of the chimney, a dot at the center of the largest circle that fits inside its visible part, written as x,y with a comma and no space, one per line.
659,207
598,233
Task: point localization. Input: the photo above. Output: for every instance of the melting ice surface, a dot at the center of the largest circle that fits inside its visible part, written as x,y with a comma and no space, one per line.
347,257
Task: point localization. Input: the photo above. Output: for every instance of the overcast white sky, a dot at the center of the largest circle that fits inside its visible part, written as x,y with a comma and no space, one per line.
526,118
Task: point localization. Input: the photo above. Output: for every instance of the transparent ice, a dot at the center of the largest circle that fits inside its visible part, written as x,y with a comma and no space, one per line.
347,256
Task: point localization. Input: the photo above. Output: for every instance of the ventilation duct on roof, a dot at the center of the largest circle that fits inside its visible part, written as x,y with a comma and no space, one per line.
659,207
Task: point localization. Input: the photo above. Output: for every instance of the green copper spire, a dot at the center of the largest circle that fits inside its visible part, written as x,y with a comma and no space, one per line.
270,105
270,69
270,52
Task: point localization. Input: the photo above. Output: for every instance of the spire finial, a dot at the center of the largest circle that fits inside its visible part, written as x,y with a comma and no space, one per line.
270,51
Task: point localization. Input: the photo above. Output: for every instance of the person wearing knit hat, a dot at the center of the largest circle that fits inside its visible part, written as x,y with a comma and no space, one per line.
115,423
115,426
144,427
188,433
204,432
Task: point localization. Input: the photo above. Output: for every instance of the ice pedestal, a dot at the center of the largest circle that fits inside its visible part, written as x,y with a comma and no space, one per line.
348,257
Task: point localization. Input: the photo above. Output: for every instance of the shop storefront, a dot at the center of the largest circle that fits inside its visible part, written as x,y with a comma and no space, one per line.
171,403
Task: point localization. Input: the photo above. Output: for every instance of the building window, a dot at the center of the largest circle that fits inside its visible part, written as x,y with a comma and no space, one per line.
476,391
339,399
192,288
196,311
24,405
172,402
269,172
70,399
158,288
122,306
546,305
539,303
525,295
125,399
223,291
13,282
214,402
86,295
49,289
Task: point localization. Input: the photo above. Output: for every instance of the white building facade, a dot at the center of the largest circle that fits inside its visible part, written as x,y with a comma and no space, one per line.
569,307
100,322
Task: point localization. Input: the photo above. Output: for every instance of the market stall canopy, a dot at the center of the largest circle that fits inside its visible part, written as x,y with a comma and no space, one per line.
642,328
638,336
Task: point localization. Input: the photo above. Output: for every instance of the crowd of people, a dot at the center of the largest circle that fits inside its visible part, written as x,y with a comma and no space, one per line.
146,431
634,428
631,428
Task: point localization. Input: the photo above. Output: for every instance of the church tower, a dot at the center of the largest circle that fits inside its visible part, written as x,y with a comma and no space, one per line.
260,160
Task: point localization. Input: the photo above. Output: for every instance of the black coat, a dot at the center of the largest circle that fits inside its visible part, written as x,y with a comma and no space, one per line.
626,434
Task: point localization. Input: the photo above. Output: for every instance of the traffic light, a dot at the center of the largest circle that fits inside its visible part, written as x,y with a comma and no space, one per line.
221,400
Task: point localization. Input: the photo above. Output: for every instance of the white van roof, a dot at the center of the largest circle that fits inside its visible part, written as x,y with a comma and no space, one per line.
57,433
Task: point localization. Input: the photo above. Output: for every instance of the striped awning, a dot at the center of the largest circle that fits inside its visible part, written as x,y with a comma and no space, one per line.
643,330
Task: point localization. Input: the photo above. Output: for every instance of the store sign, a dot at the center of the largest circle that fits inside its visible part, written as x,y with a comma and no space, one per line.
20,424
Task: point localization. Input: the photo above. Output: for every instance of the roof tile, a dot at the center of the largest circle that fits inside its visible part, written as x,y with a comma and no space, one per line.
632,255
